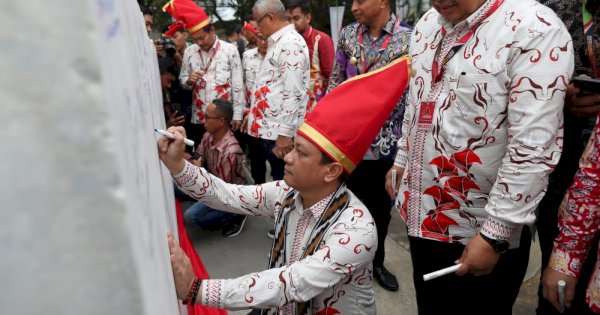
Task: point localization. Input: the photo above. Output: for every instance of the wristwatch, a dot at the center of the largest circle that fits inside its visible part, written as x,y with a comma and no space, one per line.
498,245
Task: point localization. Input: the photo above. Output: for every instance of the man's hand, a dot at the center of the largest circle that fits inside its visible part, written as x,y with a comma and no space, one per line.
183,273
197,162
283,145
581,106
235,125
550,287
175,119
193,78
244,127
171,152
160,49
393,191
478,258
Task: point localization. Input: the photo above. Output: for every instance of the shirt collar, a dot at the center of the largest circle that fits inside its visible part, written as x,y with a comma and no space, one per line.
468,21
307,32
222,144
388,27
277,35
318,208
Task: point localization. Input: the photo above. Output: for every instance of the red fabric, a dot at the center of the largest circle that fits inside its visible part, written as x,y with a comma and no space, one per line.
250,28
360,117
173,28
188,248
326,51
188,12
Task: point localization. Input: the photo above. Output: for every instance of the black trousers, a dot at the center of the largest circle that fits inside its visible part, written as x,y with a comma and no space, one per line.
367,182
260,150
491,294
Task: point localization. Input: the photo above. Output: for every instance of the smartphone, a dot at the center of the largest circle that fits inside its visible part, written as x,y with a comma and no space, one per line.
195,156
588,86
176,107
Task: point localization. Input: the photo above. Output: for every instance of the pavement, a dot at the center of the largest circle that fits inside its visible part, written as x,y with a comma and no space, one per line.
247,252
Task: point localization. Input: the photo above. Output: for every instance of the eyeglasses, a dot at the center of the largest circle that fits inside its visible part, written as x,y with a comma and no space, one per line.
262,18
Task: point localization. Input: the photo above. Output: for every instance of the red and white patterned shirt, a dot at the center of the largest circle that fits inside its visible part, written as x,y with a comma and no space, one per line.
251,61
337,278
280,95
223,78
579,221
479,143
224,158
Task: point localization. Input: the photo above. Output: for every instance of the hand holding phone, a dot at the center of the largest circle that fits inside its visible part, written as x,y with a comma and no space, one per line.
580,102
588,86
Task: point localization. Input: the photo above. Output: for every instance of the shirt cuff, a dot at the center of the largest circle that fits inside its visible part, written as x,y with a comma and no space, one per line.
186,176
566,262
286,130
400,159
213,293
496,229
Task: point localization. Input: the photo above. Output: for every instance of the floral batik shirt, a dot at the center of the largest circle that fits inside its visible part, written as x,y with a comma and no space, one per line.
579,221
337,278
483,124
378,52
223,78
278,102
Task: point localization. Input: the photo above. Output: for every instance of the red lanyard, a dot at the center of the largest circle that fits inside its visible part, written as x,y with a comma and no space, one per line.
384,45
437,70
212,55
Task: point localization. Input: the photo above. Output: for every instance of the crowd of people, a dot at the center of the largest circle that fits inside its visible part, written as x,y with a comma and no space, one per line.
467,123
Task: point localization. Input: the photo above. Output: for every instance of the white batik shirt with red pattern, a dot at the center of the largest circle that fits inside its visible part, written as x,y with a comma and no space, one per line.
579,222
337,277
280,94
478,145
251,62
224,78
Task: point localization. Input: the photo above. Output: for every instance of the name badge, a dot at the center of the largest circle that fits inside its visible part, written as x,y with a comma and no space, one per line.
426,115
202,83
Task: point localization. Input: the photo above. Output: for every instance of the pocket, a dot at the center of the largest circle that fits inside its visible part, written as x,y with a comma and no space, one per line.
480,94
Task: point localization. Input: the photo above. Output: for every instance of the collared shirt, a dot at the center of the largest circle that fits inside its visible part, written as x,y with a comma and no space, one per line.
478,145
348,64
224,158
278,102
579,221
320,52
343,263
252,60
223,78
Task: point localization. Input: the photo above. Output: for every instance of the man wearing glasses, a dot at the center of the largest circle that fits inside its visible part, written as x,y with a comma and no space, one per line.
220,153
280,92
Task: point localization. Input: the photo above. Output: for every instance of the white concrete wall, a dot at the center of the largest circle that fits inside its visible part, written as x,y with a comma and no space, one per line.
84,202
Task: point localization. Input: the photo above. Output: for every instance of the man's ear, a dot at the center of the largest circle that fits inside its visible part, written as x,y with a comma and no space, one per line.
334,171
309,17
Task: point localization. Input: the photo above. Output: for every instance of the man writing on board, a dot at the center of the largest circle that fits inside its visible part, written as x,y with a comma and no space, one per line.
325,238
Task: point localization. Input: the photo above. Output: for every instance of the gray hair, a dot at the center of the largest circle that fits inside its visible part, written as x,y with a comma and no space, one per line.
270,6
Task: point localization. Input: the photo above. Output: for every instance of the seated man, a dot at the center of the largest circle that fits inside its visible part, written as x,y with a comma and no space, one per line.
220,153
325,238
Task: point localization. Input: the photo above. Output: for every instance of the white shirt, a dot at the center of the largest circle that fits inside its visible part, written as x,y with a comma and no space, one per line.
280,96
224,78
342,264
251,62
496,132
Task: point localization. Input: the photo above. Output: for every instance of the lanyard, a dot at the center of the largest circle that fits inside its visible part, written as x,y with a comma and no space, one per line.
384,45
437,69
212,56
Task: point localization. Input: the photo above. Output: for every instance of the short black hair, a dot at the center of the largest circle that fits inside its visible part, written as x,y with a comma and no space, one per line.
145,10
224,108
167,65
302,4
233,29
325,159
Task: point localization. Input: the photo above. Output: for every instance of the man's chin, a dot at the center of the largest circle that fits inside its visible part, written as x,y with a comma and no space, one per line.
288,179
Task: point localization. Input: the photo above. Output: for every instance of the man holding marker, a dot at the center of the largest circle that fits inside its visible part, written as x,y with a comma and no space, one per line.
481,133
325,238
211,67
